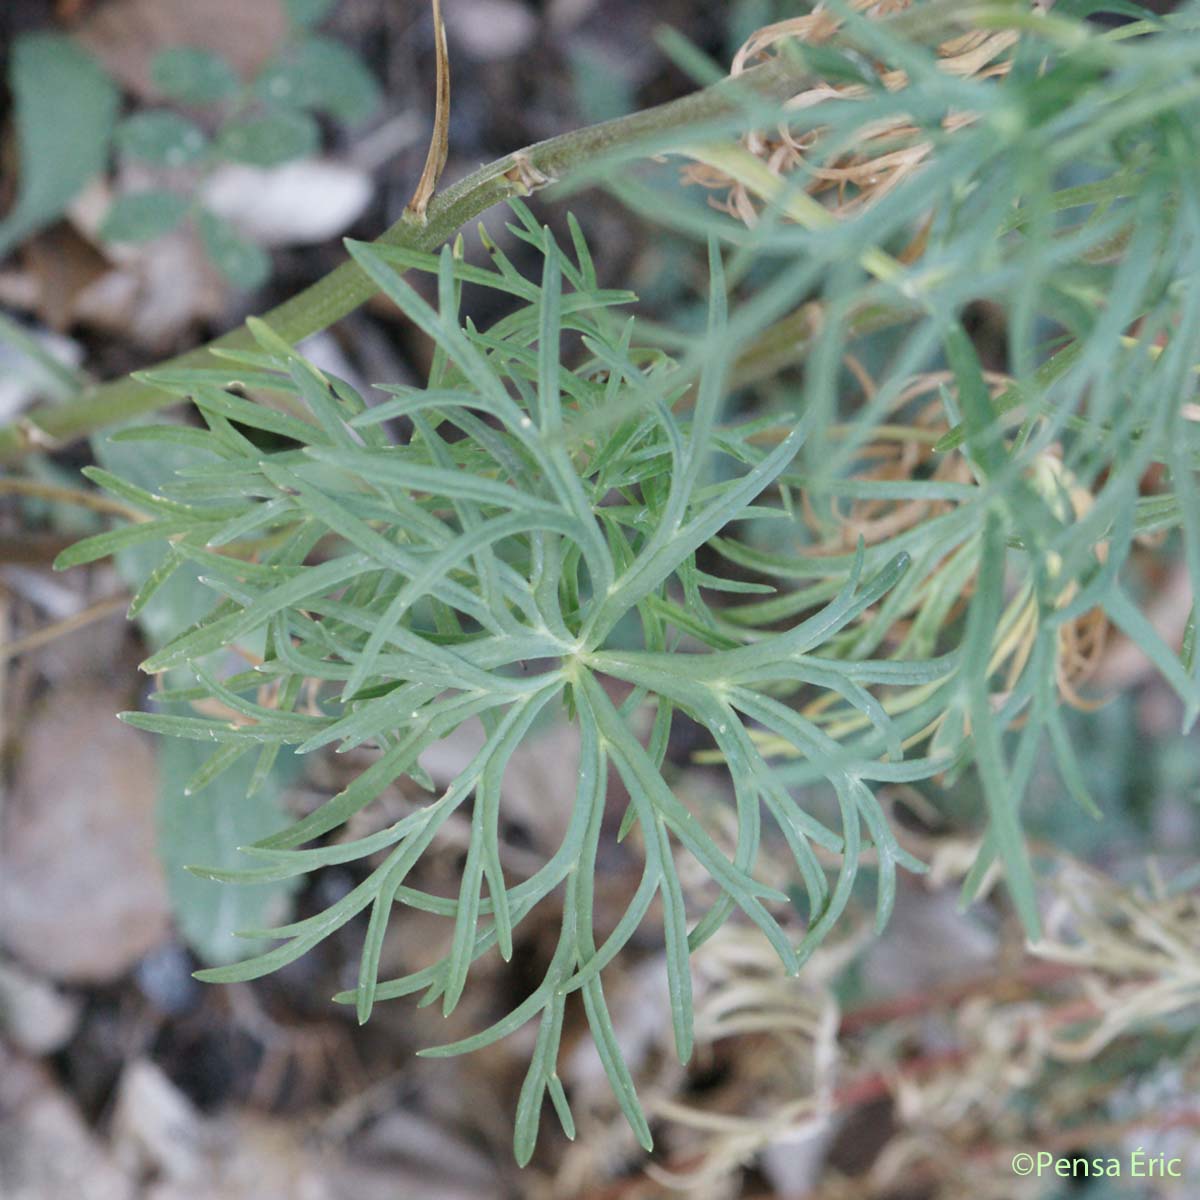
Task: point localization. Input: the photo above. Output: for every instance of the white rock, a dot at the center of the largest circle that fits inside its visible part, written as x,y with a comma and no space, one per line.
298,203
34,1015
156,1128
490,29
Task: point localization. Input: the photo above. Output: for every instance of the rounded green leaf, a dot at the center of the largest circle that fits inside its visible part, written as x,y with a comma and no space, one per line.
321,74
160,137
194,76
243,263
270,140
143,216
308,12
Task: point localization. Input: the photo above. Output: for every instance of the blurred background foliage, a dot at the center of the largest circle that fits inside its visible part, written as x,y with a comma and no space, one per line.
910,1066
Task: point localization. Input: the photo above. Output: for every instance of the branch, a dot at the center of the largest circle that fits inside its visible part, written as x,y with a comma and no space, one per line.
348,286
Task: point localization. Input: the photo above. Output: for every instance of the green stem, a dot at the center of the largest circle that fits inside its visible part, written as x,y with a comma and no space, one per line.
348,286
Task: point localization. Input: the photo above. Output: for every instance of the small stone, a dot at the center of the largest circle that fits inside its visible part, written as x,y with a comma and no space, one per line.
489,30
34,1015
82,893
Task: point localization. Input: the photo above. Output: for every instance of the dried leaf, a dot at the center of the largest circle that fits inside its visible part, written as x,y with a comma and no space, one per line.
126,35
439,144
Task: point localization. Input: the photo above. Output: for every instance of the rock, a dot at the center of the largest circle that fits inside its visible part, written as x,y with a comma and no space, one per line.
82,895
46,1150
165,979
489,30
155,1128
297,204
34,1016
929,941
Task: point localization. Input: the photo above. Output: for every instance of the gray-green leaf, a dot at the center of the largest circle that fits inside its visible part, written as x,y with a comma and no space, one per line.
323,75
65,108
193,75
243,263
143,216
308,12
206,830
160,137
270,140
179,600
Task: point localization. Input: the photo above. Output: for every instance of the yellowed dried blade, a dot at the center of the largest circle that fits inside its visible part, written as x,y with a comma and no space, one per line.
439,143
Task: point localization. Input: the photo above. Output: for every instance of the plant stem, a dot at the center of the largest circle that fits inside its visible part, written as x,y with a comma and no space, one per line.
348,286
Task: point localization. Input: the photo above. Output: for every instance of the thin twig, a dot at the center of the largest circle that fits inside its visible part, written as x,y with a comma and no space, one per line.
348,286
49,633
66,495
1032,975
439,142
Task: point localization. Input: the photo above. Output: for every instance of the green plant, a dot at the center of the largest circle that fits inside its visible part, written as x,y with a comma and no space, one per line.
530,538
947,540
267,122
66,107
